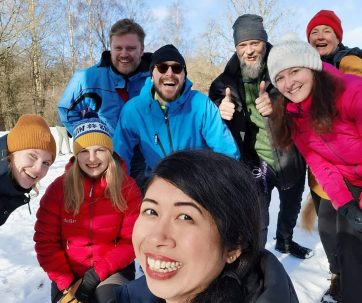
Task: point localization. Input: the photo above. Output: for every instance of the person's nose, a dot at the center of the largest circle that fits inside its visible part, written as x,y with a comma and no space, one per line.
92,156
288,81
161,234
249,50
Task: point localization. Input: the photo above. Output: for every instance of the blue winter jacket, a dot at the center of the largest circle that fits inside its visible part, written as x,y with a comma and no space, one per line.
192,121
94,89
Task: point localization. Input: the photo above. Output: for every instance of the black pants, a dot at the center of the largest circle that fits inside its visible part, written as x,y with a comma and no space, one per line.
289,208
104,292
327,228
349,250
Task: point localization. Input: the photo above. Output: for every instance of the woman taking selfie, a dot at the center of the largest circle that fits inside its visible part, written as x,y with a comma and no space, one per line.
197,236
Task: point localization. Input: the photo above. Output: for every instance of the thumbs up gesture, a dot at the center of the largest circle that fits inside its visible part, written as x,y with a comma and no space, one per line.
263,102
227,107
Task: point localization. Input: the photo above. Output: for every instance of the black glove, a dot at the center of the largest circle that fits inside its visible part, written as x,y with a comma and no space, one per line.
86,288
353,214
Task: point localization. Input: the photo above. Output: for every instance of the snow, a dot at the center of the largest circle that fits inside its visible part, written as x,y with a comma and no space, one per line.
23,281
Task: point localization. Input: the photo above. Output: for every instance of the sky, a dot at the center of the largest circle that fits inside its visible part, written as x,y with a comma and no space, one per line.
200,11
23,281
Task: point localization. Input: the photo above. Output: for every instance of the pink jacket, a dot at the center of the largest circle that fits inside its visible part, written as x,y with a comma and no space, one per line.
336,156
99,236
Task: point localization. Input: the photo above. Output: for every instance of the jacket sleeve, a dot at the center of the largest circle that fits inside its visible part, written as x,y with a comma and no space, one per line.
217,90
215,132
76,101
124,138
123,253
327,176
48,242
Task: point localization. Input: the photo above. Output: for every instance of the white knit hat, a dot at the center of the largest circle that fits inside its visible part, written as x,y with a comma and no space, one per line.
292,52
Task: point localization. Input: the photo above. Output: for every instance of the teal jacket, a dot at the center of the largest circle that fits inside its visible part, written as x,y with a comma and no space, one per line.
192,121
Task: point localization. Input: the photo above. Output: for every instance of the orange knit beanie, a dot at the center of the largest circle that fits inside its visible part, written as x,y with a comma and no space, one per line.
31,132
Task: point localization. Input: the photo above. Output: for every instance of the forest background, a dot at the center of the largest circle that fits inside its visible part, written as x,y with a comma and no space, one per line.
42,42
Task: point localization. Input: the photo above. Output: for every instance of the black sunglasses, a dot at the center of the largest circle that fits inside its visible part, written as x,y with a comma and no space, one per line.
163,68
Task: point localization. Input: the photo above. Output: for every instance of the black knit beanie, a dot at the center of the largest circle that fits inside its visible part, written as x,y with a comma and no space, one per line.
249,27
166,53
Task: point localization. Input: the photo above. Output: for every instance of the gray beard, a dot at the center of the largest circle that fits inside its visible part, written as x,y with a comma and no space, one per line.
252,71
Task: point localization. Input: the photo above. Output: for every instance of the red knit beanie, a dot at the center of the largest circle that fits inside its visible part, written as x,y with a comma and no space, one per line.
329,18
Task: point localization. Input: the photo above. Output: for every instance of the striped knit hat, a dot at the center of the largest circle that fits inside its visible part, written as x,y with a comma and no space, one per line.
89,132
31,132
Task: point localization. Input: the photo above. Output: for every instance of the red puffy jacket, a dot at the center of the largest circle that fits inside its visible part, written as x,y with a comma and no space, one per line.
100,235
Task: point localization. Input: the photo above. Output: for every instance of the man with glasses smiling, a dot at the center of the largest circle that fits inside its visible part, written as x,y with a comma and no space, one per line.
168,116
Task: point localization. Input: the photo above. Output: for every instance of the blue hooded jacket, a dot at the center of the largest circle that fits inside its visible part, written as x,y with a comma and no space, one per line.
192,121
94,89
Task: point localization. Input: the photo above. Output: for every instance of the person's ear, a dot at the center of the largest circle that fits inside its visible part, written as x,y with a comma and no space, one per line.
232,255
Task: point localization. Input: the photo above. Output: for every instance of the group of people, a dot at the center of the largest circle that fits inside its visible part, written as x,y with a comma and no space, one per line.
182,181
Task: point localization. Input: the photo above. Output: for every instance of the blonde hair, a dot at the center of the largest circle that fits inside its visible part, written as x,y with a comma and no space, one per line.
74,191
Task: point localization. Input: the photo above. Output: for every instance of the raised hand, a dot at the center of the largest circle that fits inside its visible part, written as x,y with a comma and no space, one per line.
263,103
227,107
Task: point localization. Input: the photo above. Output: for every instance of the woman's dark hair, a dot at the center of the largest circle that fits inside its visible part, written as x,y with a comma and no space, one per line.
226,189
325,93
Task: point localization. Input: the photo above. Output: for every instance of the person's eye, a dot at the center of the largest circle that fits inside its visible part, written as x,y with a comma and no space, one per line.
83,151
47,163
278,79
185,217
33,156
295,71
149,212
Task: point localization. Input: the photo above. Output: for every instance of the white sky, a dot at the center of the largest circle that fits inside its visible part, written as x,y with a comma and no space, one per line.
200,11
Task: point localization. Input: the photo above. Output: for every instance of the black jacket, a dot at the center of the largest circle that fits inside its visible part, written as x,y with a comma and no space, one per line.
340,53
11,195
273,285
289,166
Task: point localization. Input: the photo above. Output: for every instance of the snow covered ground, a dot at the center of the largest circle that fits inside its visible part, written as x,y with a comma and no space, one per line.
23,281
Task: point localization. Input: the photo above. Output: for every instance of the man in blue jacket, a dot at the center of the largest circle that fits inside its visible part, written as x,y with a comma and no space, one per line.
168,116
106,86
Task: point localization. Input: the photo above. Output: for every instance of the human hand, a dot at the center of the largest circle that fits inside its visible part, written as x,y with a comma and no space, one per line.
68,294
227,107
263,102
87,286
353,214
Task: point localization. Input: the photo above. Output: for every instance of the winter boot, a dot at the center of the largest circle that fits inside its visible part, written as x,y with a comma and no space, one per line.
333,294
293,248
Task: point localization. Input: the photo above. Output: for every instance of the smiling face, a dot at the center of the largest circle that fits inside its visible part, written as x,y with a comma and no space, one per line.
295,83
93,160
168,85
126,52
324,40
177,243
29,166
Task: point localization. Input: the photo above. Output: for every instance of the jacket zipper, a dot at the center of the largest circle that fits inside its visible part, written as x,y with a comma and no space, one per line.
157,138
91,212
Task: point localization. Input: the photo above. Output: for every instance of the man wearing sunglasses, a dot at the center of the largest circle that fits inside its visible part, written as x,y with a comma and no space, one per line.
169,116
243,93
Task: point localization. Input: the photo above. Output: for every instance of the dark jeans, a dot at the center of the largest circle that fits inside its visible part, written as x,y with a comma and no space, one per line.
327,227
289,208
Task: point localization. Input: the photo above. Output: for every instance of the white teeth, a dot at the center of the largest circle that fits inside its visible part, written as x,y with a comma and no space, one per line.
163,266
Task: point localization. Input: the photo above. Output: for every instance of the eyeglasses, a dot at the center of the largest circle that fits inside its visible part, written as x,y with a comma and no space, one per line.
163,68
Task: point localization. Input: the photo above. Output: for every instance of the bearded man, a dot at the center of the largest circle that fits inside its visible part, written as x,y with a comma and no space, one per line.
244,95
169,116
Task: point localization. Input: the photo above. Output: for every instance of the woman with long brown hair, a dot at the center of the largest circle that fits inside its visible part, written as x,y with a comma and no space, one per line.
320,112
